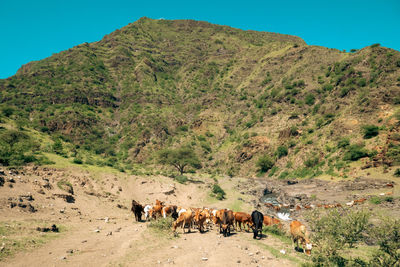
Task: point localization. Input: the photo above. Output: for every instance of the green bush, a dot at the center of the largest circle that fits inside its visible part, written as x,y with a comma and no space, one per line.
397,172
77,160
265,163
344,142
344,91
394,153
327,87
335,230
355,152
218,192
375,200
309,99
162,224
7,111
387,235
370,131
281,151
17,148
311,162
181,179
58,147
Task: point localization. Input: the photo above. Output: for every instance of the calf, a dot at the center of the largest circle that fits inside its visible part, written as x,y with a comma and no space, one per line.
184,219
299,232
257,218
137,210
269,221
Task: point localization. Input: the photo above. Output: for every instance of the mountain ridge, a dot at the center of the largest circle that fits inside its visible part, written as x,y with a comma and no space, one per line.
223,91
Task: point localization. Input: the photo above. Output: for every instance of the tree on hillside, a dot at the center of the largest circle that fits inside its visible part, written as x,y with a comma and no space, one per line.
179,158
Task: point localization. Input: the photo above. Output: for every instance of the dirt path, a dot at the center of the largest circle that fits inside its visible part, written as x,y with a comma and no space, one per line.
97,233
135,245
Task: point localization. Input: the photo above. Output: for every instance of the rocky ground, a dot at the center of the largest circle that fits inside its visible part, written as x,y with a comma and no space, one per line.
95,226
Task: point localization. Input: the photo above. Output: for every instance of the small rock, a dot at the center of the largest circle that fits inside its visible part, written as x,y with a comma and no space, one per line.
64,258
106,219
70,251
282,251
97,231
246,248
62,211
258,252
158,262
251,254
238,261
262,257
84,241
175,246
204,259
109,233
118,230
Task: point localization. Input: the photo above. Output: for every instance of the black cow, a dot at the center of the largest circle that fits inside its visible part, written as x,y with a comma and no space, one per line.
137,210
258,219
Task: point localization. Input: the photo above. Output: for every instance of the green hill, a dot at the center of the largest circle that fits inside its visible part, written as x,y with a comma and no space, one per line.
233,96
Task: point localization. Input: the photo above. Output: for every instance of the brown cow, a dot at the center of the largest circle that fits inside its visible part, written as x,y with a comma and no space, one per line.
226,218
359,201
299,232
269,221
184,219
242,217
157,209
200,218
170,210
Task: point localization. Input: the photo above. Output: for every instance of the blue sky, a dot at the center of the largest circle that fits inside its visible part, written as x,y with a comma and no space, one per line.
33,30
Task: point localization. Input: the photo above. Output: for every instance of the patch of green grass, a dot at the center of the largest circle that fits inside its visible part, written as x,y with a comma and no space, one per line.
162,227
22,235
276,252
236,205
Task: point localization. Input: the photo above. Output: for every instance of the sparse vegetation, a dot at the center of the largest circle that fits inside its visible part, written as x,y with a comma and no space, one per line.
370,131
218,192
179,158
265,163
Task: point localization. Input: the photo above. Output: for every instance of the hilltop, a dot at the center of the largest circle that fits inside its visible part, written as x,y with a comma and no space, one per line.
232,96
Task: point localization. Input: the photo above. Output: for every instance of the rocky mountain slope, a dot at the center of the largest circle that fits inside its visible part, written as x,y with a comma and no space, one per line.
233,96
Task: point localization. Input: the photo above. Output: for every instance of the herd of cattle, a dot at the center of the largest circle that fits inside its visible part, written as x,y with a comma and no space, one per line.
225,219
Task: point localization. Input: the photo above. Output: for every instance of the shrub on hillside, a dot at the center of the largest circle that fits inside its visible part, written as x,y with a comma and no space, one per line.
397,172
181,179
265,163
355,152
218,192
344,142
17,148
281,151
309,99
370,131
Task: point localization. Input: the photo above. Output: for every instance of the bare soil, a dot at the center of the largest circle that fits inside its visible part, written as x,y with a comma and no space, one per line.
98,229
